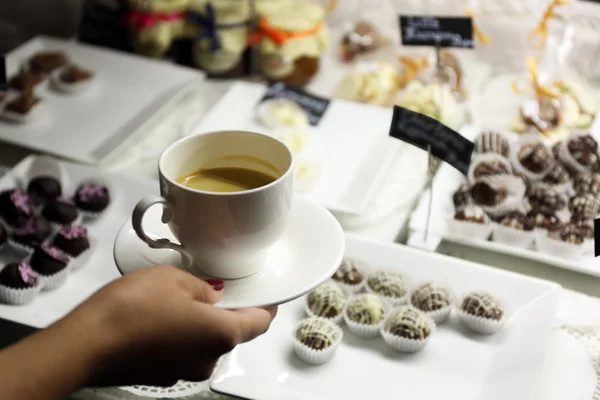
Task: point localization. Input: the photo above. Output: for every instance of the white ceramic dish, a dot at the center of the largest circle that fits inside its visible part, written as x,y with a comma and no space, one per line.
100,268
445,184
351,144
126,93
307,254
455,364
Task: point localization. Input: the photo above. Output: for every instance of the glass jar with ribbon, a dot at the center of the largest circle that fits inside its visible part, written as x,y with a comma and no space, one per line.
220,29
154,24
291,37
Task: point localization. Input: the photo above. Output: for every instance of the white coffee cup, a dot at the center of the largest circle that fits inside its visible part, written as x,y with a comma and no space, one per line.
223,235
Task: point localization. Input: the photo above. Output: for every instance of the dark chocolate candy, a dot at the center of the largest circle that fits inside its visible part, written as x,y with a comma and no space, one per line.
488,193
18,276
547,199
535,157
42,189
32,232
92,197
72,239
61,211
544,220
48,260
15,207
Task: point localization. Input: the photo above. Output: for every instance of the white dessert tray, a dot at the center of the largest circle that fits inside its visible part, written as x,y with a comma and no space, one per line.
100,269
350,145
126,94
455,364
446,182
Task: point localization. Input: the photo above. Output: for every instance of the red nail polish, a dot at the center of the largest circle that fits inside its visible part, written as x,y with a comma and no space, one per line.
216,284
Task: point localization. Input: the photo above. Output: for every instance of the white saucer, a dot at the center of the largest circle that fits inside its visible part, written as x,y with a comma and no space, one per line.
307,254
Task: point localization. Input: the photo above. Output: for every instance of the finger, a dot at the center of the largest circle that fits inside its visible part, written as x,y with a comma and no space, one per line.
209,291
252,322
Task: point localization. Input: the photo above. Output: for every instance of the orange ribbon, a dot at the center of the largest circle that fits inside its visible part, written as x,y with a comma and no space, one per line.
541,31
482,37
540,90
278,36
412,68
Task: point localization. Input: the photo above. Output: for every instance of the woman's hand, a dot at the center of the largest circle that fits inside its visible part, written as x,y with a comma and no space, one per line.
158,325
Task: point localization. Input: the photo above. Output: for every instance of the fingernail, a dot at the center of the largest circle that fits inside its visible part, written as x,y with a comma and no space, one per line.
216,284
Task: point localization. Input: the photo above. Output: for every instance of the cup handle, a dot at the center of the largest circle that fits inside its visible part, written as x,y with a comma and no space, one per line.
138,216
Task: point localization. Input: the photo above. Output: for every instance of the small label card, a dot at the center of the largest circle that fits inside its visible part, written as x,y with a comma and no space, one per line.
313,106
427,30
597,237
3,77
423,132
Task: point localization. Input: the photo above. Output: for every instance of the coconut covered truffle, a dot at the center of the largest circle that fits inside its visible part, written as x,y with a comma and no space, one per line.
482,304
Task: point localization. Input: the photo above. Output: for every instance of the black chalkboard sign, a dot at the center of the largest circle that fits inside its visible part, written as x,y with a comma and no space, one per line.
427,31
423,131
597,237
313,106
3,78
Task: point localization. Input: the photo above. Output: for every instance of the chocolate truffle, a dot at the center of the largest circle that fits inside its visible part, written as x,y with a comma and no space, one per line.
366,309
47,61
15,207
318,333
25,80
462,197
387,283
558,175
74,74
546,198
48,260
535,157
349,273
92,197
60,211
72,239
481,304
492,142
3,235
489,193
544,220
23,104
517,220
488,168
587,182
42,189
584,149
32,232
585,226
431,297
18,276
568,233
326,301
473,214
584,206
408,322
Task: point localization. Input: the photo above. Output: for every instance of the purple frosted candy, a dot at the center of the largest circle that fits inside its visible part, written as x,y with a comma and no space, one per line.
28,228
55,253
21,201
28,275
91,191
74,231
65,200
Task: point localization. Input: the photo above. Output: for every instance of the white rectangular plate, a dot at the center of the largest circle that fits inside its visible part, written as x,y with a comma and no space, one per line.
456,364
445,183
350,145
126,92
101,268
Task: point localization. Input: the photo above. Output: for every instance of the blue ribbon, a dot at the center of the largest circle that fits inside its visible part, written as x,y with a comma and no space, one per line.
209,25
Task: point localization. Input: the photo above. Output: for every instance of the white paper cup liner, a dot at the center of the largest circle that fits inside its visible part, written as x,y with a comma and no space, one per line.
545,244
406,345
54,281
512,237
485,326
336,320
363,330
471,229
487,158
565,155
81,260
518,167
438,316
90,215
38,112
264,114
514,198
70,88
388,300
17,297
20,248
312,356
45,166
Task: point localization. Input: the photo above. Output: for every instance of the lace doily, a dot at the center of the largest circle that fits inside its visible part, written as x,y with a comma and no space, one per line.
183,389
591,341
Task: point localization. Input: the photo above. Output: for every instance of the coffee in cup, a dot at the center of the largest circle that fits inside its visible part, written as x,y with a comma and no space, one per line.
226,197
